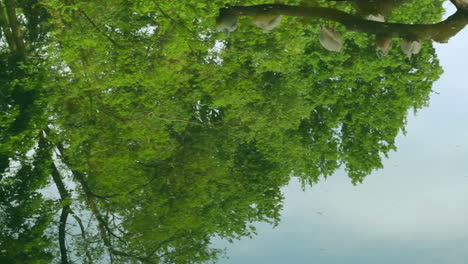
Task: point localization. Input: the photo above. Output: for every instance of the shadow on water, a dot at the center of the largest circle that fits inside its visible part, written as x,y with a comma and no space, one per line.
134,132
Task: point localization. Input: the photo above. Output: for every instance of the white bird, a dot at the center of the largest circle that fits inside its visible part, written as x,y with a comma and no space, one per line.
410,47
267,22
375,17
330,39
383,44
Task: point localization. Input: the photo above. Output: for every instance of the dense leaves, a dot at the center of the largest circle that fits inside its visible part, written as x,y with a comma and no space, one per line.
162,133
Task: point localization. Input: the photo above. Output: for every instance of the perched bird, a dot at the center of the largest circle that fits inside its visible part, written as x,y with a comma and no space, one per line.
410,47
330,39
226,22
267,22
383,44
375,17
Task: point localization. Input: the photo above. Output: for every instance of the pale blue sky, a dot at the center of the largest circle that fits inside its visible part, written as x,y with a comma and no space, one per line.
415,210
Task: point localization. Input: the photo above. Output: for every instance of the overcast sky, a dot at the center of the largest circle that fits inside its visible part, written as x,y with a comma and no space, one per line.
415,210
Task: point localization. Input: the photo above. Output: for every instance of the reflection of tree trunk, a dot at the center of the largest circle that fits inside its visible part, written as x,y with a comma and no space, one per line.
62,234
439,32
64,196
105,230
103,227
11,29
5,27
66,209
89,197
10,6
83,235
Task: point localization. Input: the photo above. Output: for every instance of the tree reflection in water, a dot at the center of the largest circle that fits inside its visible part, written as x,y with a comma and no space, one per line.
159,133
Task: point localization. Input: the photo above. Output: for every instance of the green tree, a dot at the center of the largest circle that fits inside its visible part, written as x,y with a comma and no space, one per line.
174,133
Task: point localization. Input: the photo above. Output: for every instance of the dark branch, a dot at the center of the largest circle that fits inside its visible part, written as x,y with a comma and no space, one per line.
66,210
64,196
98,29
460,4
439,32
83,234
103,227
62,234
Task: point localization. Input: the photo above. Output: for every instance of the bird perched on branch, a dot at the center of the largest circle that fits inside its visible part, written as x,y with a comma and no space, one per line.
267,22
226,21
410,47
330,39
383,44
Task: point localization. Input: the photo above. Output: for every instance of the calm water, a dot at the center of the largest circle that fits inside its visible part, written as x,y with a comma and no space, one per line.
154,132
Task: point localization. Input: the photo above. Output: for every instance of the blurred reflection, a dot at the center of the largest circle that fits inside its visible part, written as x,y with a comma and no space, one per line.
383,44
330,39
134,133
371,23
374,10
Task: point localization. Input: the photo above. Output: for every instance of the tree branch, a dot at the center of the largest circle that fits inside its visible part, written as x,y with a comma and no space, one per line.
99,30
439,32
83,234
104,229
460,4
66,210
63,216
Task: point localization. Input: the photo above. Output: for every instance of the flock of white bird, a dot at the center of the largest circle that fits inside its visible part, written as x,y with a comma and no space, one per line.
329,38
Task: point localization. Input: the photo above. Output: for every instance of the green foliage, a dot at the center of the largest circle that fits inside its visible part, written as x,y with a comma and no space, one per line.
175,133
25,215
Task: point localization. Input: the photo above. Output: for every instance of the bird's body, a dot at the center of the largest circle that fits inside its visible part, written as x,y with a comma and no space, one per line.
330,39
267,22
383,44
226,22
375,17
410,47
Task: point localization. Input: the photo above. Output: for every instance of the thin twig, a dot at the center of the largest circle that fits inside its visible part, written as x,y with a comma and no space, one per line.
99,30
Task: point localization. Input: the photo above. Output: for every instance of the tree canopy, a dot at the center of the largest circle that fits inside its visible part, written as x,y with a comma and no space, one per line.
134,132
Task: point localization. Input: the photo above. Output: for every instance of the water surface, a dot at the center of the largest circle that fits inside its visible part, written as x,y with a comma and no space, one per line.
155,132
